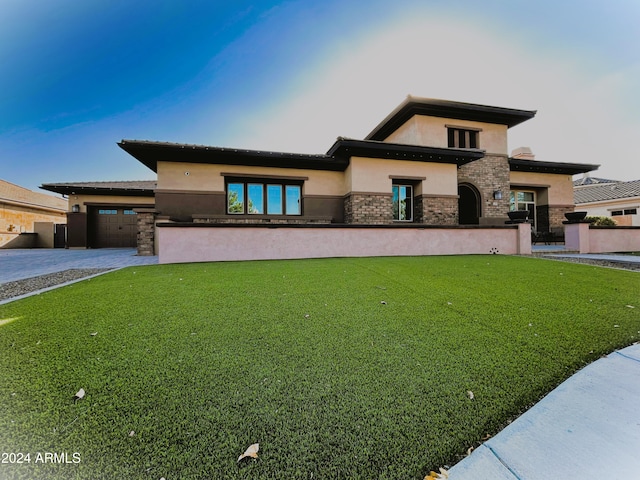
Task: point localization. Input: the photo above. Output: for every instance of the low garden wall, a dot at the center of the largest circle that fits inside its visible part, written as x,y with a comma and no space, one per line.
585,238
189,242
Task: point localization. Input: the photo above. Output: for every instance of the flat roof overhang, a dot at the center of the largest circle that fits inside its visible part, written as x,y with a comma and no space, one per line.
522,165
150,153
105,189
336,159
347,148
447,109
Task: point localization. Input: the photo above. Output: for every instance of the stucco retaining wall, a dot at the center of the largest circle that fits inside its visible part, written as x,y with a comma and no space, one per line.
186,243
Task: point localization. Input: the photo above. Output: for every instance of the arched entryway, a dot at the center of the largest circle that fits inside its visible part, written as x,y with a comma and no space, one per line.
469,211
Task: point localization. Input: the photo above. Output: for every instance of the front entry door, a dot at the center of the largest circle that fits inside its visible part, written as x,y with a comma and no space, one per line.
468,205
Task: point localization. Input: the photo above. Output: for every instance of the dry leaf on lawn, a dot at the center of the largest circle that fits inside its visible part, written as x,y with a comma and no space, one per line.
437,476
252,452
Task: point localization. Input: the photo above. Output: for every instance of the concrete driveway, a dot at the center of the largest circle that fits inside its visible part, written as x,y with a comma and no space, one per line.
19,264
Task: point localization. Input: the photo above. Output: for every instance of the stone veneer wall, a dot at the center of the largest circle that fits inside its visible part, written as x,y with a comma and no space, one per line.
487,175
556,216
436,210
368,208
146,219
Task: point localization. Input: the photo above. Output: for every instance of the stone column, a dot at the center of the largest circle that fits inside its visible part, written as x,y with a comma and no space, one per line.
146,230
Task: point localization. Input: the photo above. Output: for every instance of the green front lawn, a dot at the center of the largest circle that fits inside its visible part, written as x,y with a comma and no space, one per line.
338,368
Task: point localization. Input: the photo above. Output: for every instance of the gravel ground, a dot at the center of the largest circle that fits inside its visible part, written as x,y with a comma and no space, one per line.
28,285
599,263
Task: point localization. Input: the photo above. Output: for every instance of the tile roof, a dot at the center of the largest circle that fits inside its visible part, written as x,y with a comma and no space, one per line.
592,181
606,191
20,195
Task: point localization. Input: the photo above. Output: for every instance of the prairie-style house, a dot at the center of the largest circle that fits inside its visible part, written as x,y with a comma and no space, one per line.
428,163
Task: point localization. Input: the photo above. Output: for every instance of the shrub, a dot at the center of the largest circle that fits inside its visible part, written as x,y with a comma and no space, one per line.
602,221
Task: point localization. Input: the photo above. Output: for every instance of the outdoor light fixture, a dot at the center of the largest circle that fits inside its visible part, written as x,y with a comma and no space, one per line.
75,208
497,195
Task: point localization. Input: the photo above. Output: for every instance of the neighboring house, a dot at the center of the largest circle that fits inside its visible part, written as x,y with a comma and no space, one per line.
21,208
430,162
609,198
101,214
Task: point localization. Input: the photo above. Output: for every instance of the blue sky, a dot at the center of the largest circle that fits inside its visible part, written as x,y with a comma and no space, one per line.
79,76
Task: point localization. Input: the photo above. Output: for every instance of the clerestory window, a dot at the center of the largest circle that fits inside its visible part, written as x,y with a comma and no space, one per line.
463,138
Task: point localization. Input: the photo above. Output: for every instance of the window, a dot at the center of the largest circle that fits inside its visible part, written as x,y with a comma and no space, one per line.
107,212
293,196
129,212
524,200
462,138
256,198
235,198
255,191
626,211
402,202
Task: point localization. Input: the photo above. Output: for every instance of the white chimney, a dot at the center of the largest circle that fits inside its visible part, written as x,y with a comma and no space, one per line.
524,153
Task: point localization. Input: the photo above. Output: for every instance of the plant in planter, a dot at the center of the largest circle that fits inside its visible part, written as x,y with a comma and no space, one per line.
601,221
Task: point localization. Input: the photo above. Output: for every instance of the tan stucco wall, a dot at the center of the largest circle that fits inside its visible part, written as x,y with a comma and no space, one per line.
432,132
82,200
560,187
15,219
209,178
372,175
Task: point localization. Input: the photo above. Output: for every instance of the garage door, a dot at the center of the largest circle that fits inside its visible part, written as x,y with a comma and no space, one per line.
113,227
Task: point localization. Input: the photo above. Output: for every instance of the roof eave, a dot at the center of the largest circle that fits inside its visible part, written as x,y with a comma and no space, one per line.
447,109
522,165
150,153
92,190
347,148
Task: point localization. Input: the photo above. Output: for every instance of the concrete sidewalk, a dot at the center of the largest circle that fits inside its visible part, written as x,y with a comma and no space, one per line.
26,263
588,427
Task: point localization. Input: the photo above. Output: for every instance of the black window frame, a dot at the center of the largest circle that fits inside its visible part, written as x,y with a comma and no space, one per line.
401,184
284,185
461,137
